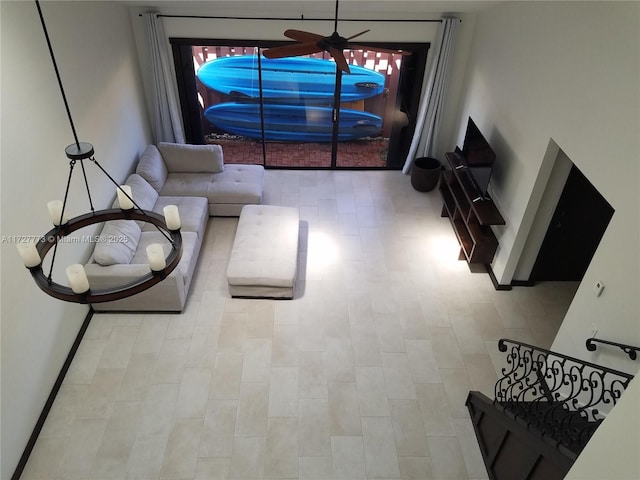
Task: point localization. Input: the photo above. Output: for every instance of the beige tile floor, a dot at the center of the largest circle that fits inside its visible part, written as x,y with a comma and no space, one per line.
363,375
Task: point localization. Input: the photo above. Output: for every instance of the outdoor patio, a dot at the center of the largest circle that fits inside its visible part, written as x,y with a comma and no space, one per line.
363,153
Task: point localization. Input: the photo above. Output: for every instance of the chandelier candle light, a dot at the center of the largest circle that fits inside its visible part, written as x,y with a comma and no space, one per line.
124,197
77,278
29,254
172,217
155,256
55,212
79,290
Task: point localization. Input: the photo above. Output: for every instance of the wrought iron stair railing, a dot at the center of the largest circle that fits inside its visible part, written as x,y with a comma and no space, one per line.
559,398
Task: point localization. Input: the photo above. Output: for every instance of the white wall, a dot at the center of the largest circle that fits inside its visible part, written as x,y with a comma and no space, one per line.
287,10
612,453
552,177
569,73
97,59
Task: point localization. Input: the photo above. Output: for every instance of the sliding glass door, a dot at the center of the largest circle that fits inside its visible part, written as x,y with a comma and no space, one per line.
378,107
281,112
229,101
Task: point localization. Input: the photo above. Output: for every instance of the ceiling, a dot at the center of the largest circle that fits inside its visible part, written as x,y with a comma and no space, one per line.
387,9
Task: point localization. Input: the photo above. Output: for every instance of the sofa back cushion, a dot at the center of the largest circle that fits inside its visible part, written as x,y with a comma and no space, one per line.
118,242
192,158
152,168
141,191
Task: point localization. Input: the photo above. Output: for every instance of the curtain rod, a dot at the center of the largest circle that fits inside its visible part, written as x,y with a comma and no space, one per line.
217,17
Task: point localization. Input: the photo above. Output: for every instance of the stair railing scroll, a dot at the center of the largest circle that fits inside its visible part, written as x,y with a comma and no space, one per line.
559,397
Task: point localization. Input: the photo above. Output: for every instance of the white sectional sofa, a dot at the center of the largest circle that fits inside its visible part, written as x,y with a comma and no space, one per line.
193,177
199,170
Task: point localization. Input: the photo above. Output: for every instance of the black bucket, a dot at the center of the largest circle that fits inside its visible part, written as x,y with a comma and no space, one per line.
425,173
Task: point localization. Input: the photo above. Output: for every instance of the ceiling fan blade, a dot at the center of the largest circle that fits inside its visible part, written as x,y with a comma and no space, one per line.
358,34
292,50
302,36
341,62
377,49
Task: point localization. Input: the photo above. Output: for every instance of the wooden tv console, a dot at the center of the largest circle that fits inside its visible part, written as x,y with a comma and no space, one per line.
471,218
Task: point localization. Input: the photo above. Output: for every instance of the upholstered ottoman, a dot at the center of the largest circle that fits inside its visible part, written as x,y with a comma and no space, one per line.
264,256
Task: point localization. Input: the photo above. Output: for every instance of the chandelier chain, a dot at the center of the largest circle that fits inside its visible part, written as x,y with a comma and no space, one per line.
72,164
55,67
86,184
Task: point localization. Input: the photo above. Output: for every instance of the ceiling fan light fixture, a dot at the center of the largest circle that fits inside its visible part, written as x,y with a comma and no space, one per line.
310,43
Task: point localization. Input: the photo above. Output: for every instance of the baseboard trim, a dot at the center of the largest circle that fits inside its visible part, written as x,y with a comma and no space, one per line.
497,285
523,283
52,396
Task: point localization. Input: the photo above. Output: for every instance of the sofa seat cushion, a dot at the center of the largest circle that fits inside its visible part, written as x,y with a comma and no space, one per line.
170,295
264,256
152,168
238,184
187,184
190,247
194,213
118,242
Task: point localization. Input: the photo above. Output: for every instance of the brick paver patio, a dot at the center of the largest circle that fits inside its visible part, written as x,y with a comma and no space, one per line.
371,153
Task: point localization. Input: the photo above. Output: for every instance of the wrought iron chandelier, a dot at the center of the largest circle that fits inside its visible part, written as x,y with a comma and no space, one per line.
79,290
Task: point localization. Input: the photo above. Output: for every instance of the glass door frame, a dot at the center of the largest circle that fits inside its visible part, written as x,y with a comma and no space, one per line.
409,91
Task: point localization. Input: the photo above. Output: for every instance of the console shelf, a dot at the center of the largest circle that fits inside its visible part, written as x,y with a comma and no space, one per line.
470,216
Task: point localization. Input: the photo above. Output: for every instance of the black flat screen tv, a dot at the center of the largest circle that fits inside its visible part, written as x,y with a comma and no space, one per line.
478,157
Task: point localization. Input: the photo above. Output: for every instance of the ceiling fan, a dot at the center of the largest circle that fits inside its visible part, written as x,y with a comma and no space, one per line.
309,43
